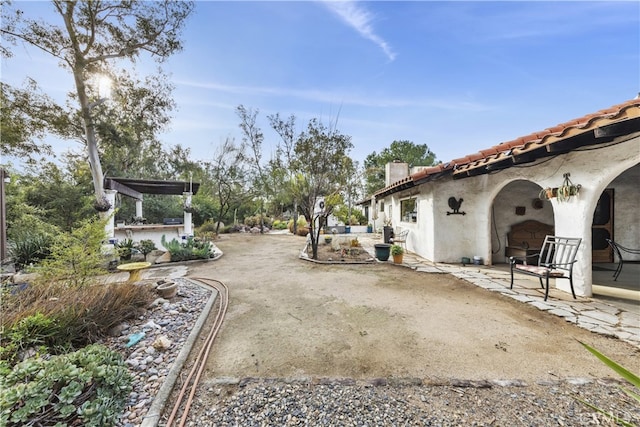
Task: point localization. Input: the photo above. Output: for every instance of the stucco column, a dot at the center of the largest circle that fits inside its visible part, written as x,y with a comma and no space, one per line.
139,208
109,227
572,219
188,227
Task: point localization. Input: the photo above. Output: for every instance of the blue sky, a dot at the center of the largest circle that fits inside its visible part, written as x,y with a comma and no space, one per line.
457,76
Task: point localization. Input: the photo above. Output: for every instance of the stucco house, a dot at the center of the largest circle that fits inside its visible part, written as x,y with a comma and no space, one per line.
467,207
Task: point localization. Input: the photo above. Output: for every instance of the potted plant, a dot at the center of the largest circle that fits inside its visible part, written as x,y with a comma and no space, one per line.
548,193
563,193
397,252
382,251
328,239
369,228
567,189
125,249
138,220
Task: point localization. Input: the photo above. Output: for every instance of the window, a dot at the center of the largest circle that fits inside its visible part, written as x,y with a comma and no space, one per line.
408,211
381,206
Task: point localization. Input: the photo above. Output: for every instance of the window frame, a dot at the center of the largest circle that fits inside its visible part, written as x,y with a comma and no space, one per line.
413,214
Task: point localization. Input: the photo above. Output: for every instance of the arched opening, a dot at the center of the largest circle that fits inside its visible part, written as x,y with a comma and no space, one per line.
519,219
617,217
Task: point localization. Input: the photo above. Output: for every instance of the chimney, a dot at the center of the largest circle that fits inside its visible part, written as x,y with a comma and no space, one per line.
395,171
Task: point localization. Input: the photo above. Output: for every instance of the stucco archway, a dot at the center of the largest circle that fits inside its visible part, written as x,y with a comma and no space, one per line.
517,201
616,216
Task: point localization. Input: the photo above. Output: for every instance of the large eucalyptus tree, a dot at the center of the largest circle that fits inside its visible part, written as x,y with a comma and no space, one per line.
92,38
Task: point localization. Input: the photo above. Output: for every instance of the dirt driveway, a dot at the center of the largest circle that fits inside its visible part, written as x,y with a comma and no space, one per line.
291,318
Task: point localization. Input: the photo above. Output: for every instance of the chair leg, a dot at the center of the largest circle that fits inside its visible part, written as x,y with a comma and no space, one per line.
618,270
571,283
541,284
511,287
546,292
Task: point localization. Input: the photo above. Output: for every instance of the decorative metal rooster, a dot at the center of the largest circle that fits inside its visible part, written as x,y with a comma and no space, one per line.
455,205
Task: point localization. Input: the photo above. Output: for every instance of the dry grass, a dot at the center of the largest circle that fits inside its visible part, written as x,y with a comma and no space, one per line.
80,315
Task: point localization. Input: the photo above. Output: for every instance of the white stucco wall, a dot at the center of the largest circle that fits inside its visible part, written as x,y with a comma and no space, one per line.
447,238
150,232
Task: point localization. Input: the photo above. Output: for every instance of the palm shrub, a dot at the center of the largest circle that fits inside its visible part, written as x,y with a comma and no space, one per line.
125,249
30,247
88,387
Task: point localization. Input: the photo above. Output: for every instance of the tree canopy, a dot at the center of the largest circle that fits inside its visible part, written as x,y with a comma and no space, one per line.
94,39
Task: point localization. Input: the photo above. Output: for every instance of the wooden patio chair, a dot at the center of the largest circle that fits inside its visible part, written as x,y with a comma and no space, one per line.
618,249
555,259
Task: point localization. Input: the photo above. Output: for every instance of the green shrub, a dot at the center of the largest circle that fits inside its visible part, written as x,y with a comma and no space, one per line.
302,223
145,246
125,249
208,227
279,225
55,318
254,221
30,247
88,387
34,331
76,257
188,250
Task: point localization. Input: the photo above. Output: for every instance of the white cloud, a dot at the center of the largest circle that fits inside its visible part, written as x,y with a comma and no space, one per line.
339,97
360,19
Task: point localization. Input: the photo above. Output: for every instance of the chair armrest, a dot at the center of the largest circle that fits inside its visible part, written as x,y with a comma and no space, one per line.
629,250
513,259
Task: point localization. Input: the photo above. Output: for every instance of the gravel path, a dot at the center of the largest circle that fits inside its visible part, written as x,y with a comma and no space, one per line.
376,403
166,327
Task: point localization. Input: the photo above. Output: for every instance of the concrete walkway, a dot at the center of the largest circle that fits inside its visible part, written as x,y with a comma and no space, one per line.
617,317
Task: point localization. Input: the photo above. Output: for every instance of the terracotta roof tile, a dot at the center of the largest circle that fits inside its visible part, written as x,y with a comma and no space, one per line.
525,143
489,151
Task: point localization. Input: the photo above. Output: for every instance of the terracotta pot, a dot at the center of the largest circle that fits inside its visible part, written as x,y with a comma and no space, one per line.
167,289
397,259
